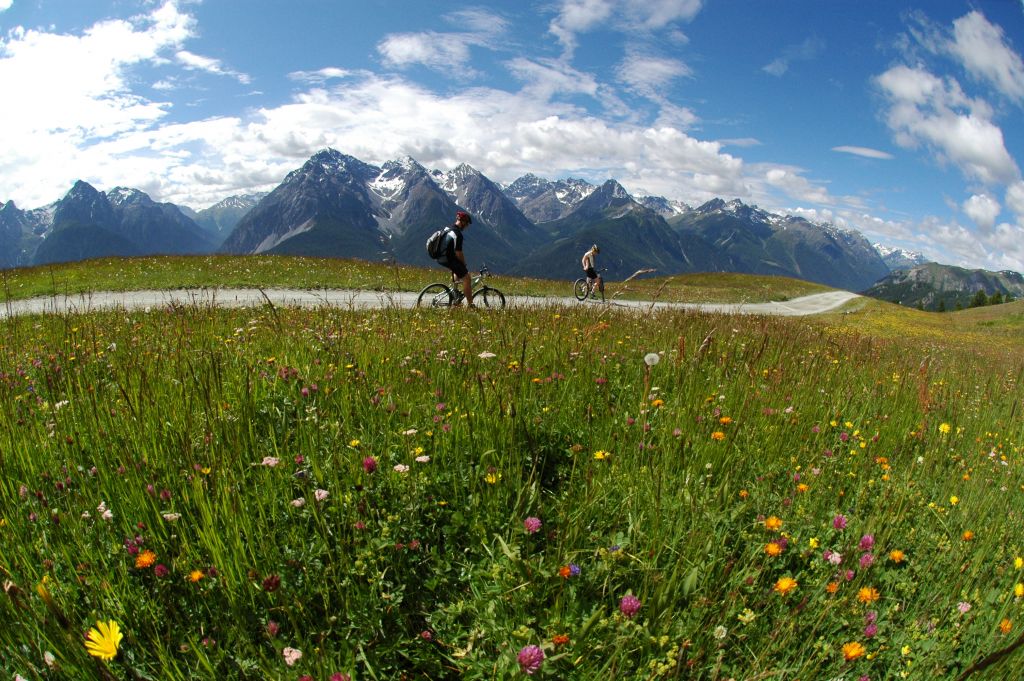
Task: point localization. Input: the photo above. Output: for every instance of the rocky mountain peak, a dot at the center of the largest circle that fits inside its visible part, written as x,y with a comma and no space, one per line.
122,196
528,186
711,206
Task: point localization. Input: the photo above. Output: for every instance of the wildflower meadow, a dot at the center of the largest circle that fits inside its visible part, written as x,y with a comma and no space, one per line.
559,493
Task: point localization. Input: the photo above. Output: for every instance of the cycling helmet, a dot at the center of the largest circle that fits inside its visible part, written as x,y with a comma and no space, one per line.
464,216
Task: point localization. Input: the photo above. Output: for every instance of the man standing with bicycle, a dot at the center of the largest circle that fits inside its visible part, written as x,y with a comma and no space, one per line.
453,258
589,263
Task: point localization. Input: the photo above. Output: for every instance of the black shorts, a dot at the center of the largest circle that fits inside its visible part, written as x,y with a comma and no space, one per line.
457,267
591,273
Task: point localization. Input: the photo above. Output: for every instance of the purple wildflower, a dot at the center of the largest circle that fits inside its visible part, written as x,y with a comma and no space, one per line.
532,524
369,464
866,542
839,521
629,605
530,659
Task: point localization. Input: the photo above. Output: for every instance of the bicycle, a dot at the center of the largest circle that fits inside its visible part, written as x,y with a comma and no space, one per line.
582,288
442,295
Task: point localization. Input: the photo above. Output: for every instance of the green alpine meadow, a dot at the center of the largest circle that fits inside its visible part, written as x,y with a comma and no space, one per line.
565,492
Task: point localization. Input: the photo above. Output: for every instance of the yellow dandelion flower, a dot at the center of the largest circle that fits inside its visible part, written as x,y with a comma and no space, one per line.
725,420
967,535
145,559
954,500
944,428
812,542
832,587
103,639
658,403
601,455
492,478
897,556
773,523
195,576
852,650
802,487
867,594
744,494
1018,562
1005,626
772,549
1018,590
353,442
785,585
718,435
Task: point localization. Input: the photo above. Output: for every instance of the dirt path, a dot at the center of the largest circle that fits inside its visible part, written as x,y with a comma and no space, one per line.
149,300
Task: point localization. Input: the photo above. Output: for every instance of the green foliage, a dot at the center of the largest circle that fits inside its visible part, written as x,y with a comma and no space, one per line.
355,486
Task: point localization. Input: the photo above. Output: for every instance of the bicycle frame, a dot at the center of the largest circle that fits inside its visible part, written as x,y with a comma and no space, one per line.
475,285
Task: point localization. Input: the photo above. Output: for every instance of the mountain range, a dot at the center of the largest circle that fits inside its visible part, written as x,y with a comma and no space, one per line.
338,206
931,286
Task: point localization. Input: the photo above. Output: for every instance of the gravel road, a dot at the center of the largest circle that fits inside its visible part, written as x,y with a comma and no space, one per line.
209,297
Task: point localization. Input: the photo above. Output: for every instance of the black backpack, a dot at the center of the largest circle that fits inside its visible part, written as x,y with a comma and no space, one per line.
437,242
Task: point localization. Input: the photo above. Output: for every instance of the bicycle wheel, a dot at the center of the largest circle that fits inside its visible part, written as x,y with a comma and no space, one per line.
435,295
490,297
580,289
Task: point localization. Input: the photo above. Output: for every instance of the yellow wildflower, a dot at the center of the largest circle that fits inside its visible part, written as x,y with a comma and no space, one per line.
852,650
145,559
867,594
103,639
784,585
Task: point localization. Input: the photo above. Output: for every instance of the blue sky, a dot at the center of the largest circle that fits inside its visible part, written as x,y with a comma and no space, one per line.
904,120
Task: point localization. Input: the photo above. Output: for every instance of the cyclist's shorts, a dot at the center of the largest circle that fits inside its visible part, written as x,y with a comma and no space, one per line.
591,273
455,266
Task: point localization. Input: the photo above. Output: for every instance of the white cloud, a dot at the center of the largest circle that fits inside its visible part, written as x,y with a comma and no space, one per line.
926,110
740,142
478,21
429,49
209,65
445,52
805,51
320,75
376,119
981,47
1007,247
648,76
1015,200
863,151
655,14
581,16
983,210
790,181
87,97
5,4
